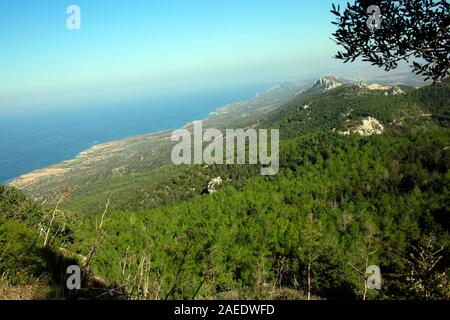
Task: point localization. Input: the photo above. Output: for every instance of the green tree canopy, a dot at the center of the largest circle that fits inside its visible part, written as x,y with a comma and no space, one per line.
386,32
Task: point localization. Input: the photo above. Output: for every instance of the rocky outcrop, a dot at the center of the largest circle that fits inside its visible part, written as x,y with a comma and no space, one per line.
394,91
377,86
361,85
367,127
388,90
303,107
327,83
213,185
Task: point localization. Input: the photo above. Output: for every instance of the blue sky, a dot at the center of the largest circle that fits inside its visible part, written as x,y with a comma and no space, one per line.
142,47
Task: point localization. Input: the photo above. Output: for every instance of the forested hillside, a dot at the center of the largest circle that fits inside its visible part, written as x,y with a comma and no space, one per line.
31,263
340,202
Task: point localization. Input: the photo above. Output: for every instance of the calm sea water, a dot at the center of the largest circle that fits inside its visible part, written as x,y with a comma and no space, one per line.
36,141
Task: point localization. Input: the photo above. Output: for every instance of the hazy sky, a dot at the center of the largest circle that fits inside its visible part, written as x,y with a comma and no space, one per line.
142,47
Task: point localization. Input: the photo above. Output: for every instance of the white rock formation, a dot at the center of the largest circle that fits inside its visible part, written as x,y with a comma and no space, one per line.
394,91
327,83
213,184
303,107
368,127
389,90
361,85
377,86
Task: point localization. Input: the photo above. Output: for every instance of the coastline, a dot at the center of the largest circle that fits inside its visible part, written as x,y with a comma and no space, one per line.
143,153
93,154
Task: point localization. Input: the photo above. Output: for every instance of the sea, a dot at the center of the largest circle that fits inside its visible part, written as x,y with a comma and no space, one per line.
37,140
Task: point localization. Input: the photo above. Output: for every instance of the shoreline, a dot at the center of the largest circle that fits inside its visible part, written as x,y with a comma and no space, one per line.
143,152
58,167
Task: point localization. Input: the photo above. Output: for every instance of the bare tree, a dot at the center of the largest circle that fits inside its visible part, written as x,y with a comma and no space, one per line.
425,281
312,248
55,212
365,251
181,270
98,237
138,279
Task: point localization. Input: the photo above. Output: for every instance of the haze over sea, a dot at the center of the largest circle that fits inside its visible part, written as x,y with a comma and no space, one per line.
37,140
